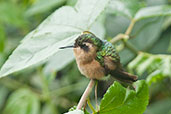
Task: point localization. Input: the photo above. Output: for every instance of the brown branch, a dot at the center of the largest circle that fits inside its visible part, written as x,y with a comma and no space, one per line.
85,94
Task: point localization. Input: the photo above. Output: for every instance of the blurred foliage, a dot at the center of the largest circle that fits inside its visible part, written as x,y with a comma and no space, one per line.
157,66
57,85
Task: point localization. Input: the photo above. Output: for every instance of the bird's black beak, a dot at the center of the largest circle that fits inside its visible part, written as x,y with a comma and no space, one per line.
66,47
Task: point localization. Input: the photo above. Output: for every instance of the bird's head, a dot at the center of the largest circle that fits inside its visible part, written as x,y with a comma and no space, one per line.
87,41
86,46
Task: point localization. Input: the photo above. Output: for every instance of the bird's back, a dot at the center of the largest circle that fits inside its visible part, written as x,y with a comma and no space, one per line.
107,50
110,60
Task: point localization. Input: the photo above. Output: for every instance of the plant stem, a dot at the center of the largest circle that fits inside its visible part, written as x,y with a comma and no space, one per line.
96,94
85,94
130,47
130,27
118,38
90,105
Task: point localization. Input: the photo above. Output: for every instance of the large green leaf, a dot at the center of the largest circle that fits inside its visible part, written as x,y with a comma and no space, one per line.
58,61
157,66
153,11
119,100
126,8
22,101
59,29
145,35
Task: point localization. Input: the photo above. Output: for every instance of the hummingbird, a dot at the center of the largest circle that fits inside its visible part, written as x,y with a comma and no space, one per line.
98,58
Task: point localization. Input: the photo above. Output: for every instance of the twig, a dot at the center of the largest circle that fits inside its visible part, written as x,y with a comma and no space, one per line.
85,94
118,38
130,47
96,95
128,31
90,105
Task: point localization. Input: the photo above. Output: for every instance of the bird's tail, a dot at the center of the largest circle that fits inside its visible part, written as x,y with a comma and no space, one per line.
124,76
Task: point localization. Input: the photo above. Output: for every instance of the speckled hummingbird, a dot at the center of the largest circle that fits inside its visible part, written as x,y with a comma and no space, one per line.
98,58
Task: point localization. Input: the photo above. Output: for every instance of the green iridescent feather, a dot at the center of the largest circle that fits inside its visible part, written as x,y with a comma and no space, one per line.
107,49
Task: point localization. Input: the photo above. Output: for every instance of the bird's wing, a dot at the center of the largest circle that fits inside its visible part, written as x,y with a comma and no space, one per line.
108,57
110,60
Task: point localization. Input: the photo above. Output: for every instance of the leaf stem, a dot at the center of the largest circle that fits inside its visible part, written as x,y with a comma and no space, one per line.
129,46
130,27
85,94
97,107
90,105
118,38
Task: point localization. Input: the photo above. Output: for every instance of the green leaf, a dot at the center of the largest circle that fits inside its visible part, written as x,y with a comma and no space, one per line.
142,30
119,100
58,61
75,112
59,29
157,66
71,2
145,65
166,66
133,64
154,77
169,48
126,8
22,101
153,11
162,44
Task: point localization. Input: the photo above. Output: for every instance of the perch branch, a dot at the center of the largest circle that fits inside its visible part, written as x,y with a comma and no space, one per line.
85,94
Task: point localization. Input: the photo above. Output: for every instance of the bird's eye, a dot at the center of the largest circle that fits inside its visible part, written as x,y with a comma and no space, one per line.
84,47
